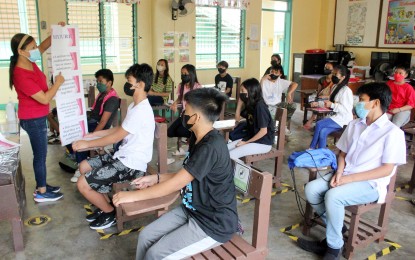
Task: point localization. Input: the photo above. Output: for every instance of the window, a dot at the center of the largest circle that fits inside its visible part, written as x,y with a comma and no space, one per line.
16,16
107,35
219,36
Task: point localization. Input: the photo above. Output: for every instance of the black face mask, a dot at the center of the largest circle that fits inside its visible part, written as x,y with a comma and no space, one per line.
274,63
220,70
244,97
335,79
185,119
127,89
185,78
327,72
273,76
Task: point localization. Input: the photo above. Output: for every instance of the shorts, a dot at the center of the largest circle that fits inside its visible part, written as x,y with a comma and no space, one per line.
106,171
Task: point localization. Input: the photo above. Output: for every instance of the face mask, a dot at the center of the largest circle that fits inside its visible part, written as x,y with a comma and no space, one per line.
127,89
220,70
335,79
360,109
35,55
398,77
244,97
101,87
185,119
273,76
274,62
160,68
185,78
327,72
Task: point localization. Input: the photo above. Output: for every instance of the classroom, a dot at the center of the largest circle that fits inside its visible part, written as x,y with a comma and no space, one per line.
202,129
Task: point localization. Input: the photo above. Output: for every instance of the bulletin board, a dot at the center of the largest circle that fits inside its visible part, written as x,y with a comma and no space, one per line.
356,22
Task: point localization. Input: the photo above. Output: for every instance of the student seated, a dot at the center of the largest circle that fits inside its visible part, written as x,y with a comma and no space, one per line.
341,101
130,161
224,81
189,82
275,60
323,91
403,98
162,85
103,111
370,148
207,216
53,135
260,127
272,88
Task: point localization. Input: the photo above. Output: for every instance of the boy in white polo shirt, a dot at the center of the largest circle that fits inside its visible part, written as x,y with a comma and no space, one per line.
272,88
130,161
370,149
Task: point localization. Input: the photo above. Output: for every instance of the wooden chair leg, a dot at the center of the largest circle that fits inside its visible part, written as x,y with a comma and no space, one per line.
308,215
412,181
383,220
354,225
120,219
17,229
277,171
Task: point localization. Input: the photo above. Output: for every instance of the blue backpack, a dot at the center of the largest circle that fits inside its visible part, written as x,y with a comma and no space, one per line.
317,158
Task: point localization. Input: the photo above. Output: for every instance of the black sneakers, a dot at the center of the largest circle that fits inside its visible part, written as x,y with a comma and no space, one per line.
333,254
317,247
94,215
105,220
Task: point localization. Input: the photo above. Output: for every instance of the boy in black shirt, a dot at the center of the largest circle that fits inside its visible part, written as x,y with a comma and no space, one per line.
208,215
224,81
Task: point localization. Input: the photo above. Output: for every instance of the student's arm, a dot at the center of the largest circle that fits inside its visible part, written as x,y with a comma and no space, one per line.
103,121
45,97
168,185
397,110
238,110
382,171
341,163
116,135
262,132
293,86
43,46
342,104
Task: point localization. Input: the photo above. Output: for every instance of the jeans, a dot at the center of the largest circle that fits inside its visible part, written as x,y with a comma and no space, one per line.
329,203
155,100
323,128
37,130
80,156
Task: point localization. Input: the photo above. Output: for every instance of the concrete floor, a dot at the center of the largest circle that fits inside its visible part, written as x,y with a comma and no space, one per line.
67,235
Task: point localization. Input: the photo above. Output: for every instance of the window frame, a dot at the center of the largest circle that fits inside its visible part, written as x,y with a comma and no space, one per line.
5,63
102,36
219,39
287,32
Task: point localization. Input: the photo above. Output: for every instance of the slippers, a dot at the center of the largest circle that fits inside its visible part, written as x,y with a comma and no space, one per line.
179,152
170,160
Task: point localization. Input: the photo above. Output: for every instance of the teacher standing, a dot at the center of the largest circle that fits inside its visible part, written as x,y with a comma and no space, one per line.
34,97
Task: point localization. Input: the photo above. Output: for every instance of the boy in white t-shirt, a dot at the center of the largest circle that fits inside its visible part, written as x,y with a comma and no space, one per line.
272,88
130,161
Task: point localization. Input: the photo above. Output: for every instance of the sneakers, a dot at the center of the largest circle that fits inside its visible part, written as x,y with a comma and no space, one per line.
170,160
55,140
332,254
94,215
317,247
105,220
179,152
54,189
75,177
47,196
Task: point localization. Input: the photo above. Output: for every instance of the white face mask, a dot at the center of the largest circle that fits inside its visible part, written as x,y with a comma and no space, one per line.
160,68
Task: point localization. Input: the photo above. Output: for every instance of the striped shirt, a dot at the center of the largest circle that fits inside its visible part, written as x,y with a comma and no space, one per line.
160,87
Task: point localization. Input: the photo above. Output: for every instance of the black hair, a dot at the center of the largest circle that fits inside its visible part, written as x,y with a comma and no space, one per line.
345,73
280,68
253,87
209,101
276,55
106,74
166,72
14,44
223,64
377,90
193,79
141,72
402,67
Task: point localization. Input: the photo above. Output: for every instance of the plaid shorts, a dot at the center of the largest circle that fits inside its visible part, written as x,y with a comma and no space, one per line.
106,171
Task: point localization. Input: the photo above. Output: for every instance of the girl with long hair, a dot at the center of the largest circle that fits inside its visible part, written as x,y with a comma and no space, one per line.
162,85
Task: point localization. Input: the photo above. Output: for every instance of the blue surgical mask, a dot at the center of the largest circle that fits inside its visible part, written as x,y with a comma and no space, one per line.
360,109
35,55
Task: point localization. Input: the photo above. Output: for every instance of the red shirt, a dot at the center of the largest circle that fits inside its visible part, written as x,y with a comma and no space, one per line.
27,83
402,95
